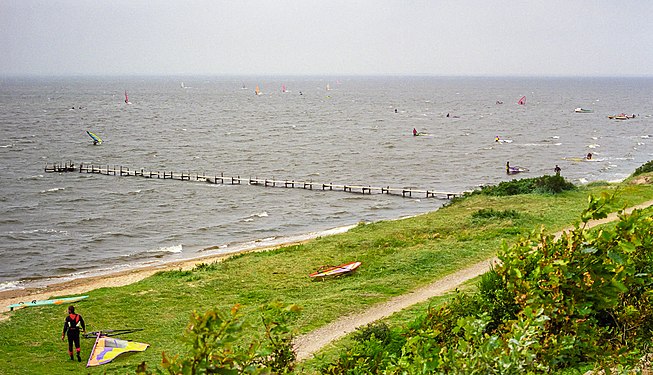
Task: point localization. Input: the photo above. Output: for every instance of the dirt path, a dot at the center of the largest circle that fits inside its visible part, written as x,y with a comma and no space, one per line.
308,344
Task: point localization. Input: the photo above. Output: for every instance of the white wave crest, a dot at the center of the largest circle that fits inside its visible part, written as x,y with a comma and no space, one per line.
10,285
168,249
252,216
52,190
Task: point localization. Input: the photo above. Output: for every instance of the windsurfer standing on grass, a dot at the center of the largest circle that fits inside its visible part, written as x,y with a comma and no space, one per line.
72,326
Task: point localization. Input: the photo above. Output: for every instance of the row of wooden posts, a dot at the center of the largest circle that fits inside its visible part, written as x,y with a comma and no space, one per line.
222,179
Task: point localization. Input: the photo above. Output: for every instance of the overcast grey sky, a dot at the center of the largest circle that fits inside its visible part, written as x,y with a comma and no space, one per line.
323,37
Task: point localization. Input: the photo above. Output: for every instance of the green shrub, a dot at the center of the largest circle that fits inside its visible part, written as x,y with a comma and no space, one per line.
594,287
646,168
213,341
538,185
491,213
496,300
378,330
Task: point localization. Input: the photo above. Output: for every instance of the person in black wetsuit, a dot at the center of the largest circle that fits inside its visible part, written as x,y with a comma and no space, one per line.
73,324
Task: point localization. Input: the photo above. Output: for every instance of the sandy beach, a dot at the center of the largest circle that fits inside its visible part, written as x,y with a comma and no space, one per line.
111,280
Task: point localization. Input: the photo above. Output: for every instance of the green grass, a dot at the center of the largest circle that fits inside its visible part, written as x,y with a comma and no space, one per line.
398,256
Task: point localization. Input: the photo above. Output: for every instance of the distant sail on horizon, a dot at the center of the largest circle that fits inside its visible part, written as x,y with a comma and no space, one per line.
257,91
126,98
283,88
522,100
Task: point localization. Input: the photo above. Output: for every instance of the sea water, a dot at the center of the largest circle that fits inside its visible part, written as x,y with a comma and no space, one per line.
58,226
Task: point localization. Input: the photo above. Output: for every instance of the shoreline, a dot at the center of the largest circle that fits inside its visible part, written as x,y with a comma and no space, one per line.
115,278
119,278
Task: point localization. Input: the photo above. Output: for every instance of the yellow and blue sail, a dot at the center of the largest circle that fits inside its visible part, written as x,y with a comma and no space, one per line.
106,349
95,137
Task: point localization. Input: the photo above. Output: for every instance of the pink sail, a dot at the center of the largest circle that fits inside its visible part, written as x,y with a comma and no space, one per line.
522,100
283,88
126,97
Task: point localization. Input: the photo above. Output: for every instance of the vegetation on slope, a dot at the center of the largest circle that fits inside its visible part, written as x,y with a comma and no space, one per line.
397,257
552,304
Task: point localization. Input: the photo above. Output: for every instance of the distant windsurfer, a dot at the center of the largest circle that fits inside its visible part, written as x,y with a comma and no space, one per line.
497,139
557,170
415,133
507,167
589,156
73,324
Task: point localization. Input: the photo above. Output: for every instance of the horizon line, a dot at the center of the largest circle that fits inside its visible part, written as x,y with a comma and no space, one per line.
314,75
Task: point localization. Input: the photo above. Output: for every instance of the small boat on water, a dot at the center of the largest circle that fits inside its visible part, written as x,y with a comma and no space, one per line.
583,110
331,271
621,116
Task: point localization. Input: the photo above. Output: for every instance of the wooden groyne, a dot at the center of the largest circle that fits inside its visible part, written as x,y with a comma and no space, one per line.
407,192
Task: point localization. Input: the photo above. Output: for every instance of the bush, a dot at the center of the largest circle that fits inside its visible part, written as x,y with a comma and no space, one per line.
594,287
496,300
646,168
491,213
214,345
378,330
538,185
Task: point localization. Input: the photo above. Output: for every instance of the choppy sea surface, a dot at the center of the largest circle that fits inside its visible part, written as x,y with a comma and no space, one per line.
347,130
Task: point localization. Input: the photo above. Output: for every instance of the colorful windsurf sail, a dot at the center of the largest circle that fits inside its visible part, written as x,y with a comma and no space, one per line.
95,137
126,98
522,100
106,349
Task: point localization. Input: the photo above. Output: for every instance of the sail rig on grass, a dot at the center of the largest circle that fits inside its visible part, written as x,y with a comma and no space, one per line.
107,348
